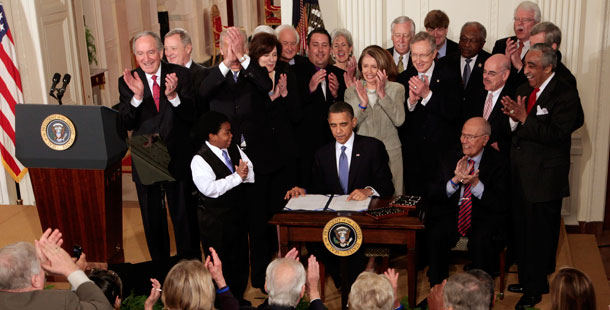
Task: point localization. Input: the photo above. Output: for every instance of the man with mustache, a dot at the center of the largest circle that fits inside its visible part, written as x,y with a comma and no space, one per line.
543,117
403,30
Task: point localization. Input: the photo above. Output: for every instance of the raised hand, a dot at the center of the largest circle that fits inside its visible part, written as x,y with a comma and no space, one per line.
155,293
134,83
333,85
392,275
55,259
316,79
242,169
214,266
171,82
514,109
361,91
381,78
512,51
313,278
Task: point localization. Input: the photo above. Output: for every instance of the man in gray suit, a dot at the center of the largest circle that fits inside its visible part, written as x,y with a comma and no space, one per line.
22,277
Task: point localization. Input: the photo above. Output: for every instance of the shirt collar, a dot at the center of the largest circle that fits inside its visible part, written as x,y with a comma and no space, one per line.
349,143
158,74
442,52
544,84
189,64
474,59
216,150
396,56
477,159
430,70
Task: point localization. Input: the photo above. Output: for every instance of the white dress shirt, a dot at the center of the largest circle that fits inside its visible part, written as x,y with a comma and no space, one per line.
349,147
136,103
405,58
205,178
425,100
463,63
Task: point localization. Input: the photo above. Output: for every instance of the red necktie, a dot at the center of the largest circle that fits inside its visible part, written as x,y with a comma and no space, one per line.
520,49
532,99
156,91
465,206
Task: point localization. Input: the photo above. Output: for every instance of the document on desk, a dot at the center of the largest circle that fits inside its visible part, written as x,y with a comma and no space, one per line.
340,203
308,202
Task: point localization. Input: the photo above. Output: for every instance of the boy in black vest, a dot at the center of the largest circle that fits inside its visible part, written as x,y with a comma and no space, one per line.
219,170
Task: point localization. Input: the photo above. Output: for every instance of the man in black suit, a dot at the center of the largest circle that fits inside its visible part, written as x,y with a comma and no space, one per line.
320,85
468,198
432,111
178,49
547,32
487,104
543,117
289,38
437,24
403,30
468,63
156,100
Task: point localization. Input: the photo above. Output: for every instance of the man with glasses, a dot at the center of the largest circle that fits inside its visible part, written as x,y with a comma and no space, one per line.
437,24
432,111
468,198
403,30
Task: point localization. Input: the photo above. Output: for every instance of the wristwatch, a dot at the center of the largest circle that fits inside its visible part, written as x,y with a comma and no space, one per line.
243,58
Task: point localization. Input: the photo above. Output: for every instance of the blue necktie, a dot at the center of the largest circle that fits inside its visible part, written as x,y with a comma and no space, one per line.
235,76
343,170
228,161
466,74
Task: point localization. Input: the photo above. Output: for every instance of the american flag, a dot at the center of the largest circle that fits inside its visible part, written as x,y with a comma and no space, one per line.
10,94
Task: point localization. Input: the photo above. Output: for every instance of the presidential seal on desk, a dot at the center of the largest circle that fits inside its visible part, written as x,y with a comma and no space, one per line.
342,236
58,132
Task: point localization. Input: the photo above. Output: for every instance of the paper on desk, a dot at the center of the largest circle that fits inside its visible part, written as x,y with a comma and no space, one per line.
340,203
308,202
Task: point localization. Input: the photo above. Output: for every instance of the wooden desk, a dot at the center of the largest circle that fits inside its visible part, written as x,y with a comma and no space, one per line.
296,226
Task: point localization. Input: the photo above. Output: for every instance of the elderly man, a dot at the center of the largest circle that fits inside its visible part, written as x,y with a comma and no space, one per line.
22,277
549,33
432,111
178,48
469,198
403,30
289,38
527,14
543,117
437,24
156,100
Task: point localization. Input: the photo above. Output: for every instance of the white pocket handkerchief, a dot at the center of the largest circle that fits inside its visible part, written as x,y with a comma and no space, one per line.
541,111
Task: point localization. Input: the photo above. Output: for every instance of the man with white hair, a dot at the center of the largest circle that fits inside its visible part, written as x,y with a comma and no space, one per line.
403,30
22,277
289,38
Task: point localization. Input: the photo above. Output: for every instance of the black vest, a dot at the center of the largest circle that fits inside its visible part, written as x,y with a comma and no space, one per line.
232,197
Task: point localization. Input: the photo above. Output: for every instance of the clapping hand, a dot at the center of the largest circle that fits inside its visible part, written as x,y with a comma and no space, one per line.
333,85
171,82
381,78
242,169
155,293
214,266
134,83
514,109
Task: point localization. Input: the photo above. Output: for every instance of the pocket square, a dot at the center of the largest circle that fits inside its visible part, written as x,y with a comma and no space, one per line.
541,111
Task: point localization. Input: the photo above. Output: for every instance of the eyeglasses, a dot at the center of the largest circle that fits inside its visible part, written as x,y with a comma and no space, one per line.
418,56
471,137
492,73
523,20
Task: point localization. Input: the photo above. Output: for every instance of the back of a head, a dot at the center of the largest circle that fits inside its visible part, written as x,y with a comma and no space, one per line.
486,280
571,289
188,286
285,280
465,292
18,263
109,282
371,292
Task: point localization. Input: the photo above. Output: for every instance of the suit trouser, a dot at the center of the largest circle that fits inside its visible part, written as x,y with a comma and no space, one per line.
182,212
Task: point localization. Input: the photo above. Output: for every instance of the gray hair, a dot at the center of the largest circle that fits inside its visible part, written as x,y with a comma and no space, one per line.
143,34
263,28
486,281
223,34
482,30
552,33
285,279
281,28
532,7
424,36
371,292
18,264
401,20
465,292
342,32
185,37
548,57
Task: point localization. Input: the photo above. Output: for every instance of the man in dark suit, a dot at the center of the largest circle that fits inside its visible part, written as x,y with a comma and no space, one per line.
432,111
547,32
156,100
289,38
543,117
487,103
22,280
437,24
468,198
468,63
403,30
178,49
320,85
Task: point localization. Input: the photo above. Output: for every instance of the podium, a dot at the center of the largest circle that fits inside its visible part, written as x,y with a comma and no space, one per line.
73,154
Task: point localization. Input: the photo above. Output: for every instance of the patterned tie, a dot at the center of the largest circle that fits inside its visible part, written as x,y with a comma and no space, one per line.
235,76
520,48
401,67
156,91
532,99
465,206
466,74
228,161
488,106
343,170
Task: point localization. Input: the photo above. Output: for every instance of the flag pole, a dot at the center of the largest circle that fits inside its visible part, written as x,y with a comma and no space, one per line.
19,200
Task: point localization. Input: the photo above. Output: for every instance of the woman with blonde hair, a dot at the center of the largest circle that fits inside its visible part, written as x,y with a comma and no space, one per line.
341,50
571,289
378,104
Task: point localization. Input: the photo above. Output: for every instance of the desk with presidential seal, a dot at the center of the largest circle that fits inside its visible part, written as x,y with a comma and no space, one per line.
344,232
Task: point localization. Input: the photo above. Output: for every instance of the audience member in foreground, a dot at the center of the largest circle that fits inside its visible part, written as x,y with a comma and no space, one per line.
22,277
571,289
462,291
110,284
374,291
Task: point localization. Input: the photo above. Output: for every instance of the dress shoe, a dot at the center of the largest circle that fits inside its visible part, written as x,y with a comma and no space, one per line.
515,288
528,301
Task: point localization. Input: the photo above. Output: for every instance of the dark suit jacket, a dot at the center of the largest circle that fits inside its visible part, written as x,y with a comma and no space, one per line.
452,47
244,103
298,59
494,204
563,72
409,61
87,297
540,153
500,45
198,72
173,124
368,167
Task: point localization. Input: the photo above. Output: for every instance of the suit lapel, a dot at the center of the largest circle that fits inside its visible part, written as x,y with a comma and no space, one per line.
354,164
543,101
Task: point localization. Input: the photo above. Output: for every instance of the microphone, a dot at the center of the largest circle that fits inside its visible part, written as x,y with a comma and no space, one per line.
65,83
55,80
